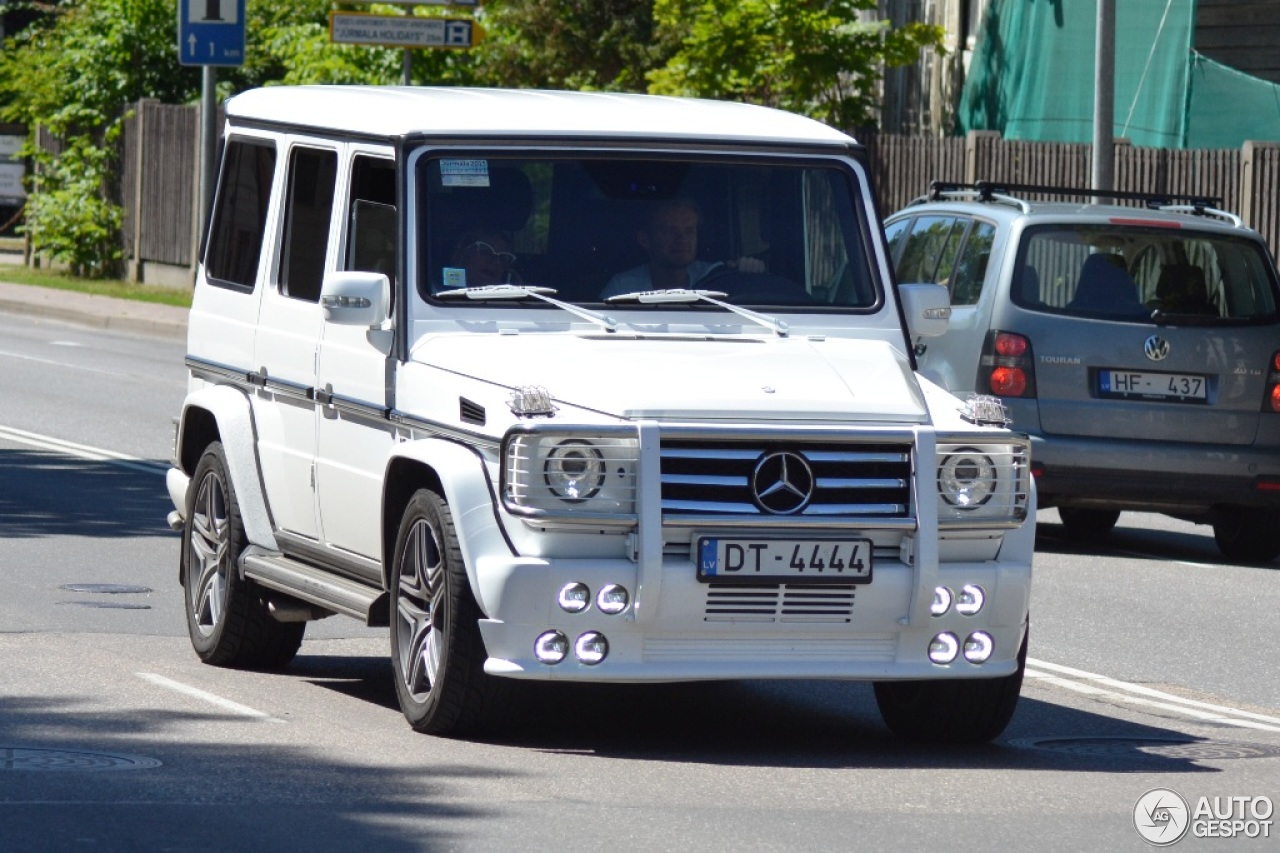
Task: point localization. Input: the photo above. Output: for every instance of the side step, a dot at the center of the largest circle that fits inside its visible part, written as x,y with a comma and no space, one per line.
302,580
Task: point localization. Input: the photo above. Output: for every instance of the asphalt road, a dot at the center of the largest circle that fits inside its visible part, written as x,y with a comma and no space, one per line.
1153,665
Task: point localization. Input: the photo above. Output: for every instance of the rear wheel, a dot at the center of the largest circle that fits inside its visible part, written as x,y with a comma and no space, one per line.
436,648
1249,535
1088,523
968,711
228,617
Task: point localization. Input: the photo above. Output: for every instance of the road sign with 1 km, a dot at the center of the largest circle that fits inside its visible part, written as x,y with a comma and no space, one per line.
211,32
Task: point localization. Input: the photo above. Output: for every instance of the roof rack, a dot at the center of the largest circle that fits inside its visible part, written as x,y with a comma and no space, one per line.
988,191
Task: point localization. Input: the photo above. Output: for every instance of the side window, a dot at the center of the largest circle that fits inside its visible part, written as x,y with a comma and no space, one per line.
971,266
240,213
372,235
894,235
308,212
932,243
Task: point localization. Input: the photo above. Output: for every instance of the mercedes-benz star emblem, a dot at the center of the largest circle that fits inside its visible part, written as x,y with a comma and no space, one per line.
1156,348
782,483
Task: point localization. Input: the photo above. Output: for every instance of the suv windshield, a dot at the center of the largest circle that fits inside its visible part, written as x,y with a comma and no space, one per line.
1136,274
763,232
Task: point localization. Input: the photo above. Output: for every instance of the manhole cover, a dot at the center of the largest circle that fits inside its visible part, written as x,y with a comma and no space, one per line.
35,758
108,605
1190,750
106,588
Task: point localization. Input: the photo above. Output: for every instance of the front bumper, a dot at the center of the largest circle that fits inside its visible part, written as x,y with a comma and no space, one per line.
697,631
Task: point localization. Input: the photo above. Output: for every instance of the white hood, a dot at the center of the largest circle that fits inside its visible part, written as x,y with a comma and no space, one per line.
692,377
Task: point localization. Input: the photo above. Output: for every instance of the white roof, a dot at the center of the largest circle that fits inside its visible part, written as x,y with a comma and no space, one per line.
390,111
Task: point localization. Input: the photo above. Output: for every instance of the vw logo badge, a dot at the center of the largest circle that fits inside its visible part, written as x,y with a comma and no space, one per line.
782,483
1156,348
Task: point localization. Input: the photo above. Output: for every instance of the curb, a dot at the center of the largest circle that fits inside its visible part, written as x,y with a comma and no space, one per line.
102,312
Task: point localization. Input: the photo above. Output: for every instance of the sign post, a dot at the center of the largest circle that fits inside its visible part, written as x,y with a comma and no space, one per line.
210,33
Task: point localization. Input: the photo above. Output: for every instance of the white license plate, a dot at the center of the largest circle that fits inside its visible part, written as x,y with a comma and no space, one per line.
1152,386
784,560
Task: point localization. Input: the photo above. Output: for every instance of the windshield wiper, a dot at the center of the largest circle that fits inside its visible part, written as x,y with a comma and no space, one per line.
1164,318
681,295
498,292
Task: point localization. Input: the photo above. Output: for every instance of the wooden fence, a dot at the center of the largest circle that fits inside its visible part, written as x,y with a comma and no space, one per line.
160,184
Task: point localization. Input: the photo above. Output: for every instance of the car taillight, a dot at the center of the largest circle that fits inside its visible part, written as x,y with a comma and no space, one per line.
1006,368
1271,403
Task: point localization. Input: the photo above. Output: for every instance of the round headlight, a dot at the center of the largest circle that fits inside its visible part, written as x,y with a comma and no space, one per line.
967,478
978,647
574,597
574,470
941,601
591,648
944,648
612,599
551,647
970,599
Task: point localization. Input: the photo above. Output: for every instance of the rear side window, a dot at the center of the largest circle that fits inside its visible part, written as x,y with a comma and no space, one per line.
240,214
1141,274
308,214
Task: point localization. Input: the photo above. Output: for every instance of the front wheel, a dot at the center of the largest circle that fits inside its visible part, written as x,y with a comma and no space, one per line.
228,617
436,649
1249,535
954,711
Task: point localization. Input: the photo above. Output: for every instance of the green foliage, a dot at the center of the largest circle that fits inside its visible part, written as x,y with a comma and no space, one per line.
598,45
808,56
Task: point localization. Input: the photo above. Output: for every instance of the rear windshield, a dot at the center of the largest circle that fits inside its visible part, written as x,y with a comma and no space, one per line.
763,231
1144,274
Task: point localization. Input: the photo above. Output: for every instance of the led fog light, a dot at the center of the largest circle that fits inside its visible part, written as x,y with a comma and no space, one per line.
941,601
970,600
943,648
978,647
591,648
551,647
612,599
574,598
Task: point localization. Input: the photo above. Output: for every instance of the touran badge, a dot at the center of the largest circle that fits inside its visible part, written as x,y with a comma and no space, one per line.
782,483
1156,348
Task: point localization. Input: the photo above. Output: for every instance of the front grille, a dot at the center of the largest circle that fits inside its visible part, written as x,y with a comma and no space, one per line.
847,479
779,603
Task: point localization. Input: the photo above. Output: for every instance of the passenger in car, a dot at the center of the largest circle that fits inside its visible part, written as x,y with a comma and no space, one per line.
481,256
1181,290
669,236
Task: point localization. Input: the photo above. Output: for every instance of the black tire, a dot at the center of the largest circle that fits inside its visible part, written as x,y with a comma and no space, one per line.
436,648
969,711
1249,535
228,618
1091,524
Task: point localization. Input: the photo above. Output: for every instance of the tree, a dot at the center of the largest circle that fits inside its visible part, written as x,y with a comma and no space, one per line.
808,56
603,45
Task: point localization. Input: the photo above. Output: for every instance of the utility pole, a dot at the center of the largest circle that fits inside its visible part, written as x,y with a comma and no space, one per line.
1104,98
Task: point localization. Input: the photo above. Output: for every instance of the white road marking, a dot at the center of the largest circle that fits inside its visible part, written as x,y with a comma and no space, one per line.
81,451
22,356
211,698
1101,686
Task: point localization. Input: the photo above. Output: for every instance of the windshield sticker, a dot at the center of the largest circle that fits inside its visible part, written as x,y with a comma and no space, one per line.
455,277
464,173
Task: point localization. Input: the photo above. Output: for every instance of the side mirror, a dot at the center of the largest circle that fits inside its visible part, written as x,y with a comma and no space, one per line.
927,308
352,298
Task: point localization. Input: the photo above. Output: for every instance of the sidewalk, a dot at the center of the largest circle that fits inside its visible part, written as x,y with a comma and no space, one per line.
103,312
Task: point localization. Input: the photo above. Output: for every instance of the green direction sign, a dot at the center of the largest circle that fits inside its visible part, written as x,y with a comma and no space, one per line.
406,31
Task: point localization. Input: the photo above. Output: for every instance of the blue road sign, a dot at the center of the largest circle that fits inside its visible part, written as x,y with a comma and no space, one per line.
211,32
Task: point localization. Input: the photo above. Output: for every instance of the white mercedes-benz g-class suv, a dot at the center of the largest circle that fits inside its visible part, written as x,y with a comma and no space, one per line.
585,387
